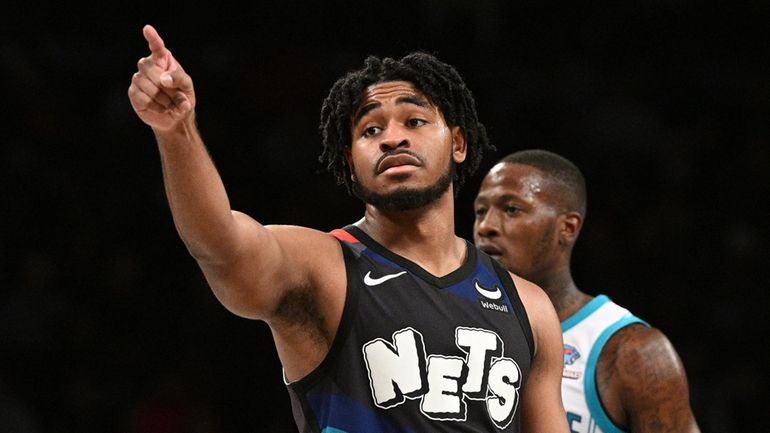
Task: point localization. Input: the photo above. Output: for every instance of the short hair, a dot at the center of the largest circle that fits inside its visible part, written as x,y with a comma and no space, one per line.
558,169
438,81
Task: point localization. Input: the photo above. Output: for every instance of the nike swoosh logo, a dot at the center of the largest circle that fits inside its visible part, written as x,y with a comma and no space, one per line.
491,294
376,281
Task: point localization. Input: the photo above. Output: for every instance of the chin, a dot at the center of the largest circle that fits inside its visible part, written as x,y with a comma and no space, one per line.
403,197
515,269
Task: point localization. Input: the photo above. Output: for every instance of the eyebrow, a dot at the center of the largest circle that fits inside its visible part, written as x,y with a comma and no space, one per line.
410,99
502,198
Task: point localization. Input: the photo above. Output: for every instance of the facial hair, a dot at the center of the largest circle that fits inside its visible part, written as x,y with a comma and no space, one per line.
538,255
403,198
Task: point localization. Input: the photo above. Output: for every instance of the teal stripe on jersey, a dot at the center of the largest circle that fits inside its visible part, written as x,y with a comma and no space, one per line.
584,312
603,420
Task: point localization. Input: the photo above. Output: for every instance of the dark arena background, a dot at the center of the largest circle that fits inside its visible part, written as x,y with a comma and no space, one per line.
106,322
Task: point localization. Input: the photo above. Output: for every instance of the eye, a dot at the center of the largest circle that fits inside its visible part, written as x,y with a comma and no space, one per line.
415,123
480,212
371,131
512,210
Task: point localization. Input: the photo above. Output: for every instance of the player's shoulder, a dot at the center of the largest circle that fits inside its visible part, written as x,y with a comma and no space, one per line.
307,244
639,370
533,296
302,235
640,353
637,338
540,311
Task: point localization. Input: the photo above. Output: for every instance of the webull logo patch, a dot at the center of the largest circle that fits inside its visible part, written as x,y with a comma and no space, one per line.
494,306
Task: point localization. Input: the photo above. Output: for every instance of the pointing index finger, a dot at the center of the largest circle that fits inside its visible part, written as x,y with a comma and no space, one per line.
157,47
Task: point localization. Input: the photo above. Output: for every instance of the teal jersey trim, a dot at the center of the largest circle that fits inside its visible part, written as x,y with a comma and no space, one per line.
584,312
332,430
592,393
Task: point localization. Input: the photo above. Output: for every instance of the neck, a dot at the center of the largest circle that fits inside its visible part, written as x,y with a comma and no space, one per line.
425,236
564,294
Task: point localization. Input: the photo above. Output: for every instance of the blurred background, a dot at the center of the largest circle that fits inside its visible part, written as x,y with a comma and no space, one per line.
106,323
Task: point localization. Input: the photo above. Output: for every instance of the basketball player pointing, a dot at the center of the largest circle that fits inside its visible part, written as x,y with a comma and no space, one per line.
393,323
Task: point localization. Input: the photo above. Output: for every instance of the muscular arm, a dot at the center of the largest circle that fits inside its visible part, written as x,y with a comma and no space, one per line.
249,266
542,409
642,383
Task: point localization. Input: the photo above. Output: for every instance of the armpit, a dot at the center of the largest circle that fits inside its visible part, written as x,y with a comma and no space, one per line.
298,308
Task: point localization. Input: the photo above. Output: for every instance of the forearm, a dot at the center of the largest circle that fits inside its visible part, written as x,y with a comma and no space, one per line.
195,192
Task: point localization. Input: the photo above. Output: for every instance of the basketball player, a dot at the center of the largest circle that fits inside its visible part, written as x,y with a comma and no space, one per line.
392,323
620,374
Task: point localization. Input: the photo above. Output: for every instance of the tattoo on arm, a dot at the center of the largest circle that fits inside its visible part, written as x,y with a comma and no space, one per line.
642,383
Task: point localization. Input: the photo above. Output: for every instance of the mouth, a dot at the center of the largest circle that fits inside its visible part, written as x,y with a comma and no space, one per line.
397,160
492,250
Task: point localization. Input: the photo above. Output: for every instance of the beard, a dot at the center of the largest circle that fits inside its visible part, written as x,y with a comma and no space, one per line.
540,257
403,198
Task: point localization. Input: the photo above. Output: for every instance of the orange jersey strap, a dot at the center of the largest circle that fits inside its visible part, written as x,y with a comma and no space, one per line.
344,236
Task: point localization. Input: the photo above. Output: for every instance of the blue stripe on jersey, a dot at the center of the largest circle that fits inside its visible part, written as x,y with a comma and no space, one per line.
584,312
592,394
349,416
487,279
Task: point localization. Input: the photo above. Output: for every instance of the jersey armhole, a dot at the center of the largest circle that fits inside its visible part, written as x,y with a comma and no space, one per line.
518,307
595,406
351,300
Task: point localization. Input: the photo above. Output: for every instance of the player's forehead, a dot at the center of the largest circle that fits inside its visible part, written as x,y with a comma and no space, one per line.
513,180
391,90
398,94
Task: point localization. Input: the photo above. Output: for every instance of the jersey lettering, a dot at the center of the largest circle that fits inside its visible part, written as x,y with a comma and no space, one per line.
504,383
573,417
400,370
480,345
444,400
396,371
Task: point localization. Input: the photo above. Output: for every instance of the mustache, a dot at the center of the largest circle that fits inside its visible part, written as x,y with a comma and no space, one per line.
397,152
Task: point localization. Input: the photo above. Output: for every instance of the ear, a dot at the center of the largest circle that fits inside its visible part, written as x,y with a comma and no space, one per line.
570,224
459,147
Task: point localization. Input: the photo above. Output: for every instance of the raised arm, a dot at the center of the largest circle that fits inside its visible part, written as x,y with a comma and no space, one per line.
542,408
643,383
249,266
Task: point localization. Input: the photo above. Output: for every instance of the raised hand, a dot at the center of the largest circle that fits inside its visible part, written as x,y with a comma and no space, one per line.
161,93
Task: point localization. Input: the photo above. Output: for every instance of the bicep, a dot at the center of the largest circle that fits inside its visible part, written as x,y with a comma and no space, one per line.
267,262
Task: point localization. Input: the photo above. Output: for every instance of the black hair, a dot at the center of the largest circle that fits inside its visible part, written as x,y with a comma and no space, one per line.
559,169
438,81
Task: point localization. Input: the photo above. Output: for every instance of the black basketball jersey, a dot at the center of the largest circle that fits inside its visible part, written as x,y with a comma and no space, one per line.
416,353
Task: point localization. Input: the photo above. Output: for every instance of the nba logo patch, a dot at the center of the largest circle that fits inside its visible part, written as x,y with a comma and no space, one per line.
571,354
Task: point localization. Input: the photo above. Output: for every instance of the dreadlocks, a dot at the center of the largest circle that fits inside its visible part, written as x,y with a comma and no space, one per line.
438,81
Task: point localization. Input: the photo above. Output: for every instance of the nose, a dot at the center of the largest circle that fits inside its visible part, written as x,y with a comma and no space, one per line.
488,224
393,137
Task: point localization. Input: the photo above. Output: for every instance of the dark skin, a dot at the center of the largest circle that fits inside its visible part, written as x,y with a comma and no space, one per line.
529,222
294,278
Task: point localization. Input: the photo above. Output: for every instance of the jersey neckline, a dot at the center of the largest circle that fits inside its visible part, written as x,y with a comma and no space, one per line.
450,279
584,311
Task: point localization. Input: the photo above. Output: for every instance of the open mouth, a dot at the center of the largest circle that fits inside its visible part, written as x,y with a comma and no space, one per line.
491,250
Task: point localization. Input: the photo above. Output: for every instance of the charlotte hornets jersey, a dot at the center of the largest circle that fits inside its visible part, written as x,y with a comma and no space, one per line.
585,333
417,353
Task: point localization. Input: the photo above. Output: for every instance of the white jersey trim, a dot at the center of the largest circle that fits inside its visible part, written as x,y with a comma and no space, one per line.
592,326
